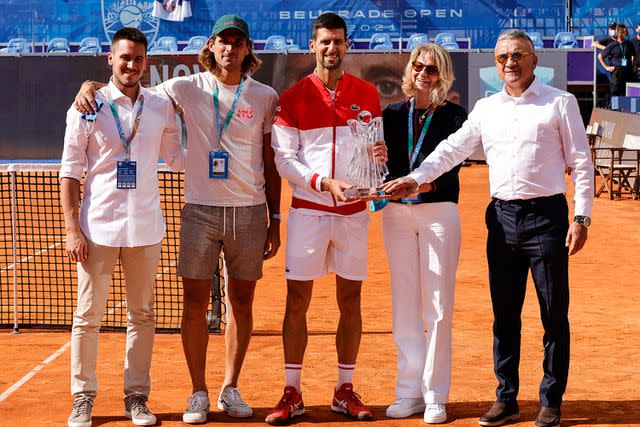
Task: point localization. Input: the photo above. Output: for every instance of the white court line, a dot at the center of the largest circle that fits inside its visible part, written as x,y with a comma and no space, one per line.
34,371
57,353
40,252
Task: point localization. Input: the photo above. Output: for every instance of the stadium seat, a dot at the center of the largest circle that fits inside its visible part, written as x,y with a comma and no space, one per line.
18,45
195,44
276,42
165,44
416,40
565,40
58,44
90,45
536,39
380,41
447,41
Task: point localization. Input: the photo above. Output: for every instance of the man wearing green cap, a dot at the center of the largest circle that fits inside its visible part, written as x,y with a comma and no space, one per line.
229,176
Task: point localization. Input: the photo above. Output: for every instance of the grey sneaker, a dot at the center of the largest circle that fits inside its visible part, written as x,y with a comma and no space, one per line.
135,408
81,412
231,402
198,408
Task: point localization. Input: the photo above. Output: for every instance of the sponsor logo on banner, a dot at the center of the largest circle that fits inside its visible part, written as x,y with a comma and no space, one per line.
129,13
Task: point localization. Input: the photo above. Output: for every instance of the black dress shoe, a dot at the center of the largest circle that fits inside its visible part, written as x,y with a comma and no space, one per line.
548,417
500,413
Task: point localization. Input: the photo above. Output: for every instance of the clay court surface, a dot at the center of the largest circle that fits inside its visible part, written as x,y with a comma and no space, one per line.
604,381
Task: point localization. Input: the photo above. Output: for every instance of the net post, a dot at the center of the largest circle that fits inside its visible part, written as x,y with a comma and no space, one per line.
16,329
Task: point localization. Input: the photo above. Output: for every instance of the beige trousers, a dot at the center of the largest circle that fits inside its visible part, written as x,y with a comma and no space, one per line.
139,265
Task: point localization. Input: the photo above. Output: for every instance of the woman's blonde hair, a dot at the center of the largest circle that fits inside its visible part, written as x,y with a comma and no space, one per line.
441,59
250,65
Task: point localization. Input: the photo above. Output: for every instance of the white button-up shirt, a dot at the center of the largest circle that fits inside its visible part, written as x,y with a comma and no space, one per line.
529,141
116,217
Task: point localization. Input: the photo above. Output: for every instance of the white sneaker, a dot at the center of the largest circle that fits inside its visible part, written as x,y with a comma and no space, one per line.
135,408
405,407
198,408
231,402
81,412
435,413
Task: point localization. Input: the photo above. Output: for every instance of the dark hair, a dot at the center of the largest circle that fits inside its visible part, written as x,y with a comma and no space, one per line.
330,21
207,59
131,34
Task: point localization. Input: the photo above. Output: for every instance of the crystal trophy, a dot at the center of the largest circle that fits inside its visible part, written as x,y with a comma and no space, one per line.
365,172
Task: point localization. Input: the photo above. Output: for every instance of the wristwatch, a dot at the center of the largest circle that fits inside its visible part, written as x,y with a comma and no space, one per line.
581,219
275,216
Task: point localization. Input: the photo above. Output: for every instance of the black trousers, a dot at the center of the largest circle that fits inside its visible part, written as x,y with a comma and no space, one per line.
529,235
618,81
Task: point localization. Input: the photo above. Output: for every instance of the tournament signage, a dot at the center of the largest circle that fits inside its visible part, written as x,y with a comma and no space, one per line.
481,21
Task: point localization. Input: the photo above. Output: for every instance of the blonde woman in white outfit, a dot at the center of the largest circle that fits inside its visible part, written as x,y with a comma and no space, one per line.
422,237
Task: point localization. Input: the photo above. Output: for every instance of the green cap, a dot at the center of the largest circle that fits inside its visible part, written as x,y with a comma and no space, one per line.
231,21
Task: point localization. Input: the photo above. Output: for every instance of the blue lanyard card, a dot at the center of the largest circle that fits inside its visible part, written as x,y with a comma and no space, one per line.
623,62
126,175
92,117
218,165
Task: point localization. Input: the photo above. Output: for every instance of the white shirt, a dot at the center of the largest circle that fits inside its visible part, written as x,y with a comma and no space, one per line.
243,139
529,141
110,216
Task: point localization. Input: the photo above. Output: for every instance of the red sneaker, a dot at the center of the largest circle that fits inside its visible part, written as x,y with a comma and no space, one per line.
346,401
290,405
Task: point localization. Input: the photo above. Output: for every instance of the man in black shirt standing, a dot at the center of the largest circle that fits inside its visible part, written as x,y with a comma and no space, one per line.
620,55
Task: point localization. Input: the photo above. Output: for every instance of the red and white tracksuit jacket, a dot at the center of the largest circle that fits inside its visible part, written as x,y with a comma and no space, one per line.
312,140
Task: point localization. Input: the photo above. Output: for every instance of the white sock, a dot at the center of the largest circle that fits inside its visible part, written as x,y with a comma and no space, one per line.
345,374
292,372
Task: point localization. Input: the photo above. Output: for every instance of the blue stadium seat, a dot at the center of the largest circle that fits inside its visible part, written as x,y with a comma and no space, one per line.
18,45
58,44
447,41
276,42
195,44
90,45
536,39
165,44
565,40
380,41
416,40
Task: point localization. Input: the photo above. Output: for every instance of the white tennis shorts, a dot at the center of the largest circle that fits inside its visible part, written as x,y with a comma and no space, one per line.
317,245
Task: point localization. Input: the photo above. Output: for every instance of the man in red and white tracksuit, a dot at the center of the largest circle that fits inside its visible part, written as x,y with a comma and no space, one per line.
326,231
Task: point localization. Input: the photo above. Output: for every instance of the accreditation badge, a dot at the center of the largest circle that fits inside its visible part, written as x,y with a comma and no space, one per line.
623,62
126,175
218,165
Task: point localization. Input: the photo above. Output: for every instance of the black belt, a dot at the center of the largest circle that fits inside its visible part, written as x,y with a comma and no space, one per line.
532,201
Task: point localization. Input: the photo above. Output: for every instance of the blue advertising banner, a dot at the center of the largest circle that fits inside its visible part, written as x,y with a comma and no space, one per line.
39,21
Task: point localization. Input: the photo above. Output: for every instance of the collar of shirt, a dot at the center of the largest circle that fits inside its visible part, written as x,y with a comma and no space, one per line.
533,90
116,95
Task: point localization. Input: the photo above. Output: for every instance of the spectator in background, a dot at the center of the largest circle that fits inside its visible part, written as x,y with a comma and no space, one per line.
617,59
636,60
611,37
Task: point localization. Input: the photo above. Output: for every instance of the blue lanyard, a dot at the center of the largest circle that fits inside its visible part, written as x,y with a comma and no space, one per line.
216,107
623,50
127,141
413,152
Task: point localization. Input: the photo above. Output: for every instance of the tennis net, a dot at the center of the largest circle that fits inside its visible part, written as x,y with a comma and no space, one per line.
38,284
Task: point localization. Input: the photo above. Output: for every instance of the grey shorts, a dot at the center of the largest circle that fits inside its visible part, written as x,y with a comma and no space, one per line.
205,230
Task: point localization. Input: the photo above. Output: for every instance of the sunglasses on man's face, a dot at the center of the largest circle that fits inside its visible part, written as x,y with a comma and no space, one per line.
515,56
418,66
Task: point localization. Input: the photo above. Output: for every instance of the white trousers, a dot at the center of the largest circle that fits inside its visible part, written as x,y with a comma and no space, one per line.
423,244
139,266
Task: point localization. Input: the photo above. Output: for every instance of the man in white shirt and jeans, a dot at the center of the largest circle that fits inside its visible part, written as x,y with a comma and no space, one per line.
531,134
120,217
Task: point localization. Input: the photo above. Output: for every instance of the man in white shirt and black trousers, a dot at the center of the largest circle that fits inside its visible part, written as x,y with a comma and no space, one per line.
120,217
531,134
